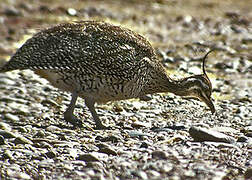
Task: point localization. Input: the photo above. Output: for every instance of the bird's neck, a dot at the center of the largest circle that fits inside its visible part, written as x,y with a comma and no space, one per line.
165,84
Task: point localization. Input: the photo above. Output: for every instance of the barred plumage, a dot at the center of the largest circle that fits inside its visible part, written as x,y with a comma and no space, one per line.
100,62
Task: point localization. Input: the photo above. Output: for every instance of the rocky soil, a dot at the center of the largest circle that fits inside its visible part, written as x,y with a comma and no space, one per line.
166,137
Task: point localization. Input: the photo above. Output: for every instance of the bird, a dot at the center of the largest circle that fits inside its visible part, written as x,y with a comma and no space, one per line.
101,62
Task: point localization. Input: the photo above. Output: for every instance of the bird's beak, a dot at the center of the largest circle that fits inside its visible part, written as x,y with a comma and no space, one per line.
208,102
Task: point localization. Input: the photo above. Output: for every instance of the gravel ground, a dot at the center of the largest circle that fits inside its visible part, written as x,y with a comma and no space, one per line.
166,137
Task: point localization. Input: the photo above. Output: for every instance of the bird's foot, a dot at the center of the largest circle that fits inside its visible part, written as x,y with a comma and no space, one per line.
73,120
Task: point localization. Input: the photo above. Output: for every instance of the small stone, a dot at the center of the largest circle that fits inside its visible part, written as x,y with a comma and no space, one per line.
22,140
51,154
140,174
87,158
22,175
249,134
108,151
250,143
242,139
248,173
11,117
203,134
44,144
73,152
53,129
139,124
71,12
224,129
5,126
7,155
174,139
111,138
7,134
46,163
39,134
90,172
176,127
6,81
189,173
22,129
117,108
153,174
137,134
144,145
102,145
159,155
12,11
49,102
97,166
247,40
155,129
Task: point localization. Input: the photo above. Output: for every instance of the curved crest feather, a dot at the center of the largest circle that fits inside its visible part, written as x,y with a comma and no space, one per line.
204,61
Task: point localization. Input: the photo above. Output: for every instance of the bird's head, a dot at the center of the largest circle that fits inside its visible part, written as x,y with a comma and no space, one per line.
199,86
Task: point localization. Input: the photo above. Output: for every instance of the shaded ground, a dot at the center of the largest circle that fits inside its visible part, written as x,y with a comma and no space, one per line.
149,140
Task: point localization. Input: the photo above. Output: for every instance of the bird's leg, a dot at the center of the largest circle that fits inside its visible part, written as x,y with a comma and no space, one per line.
68,114
90,104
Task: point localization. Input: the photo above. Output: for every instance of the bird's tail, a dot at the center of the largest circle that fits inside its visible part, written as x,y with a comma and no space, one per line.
3,69
6,67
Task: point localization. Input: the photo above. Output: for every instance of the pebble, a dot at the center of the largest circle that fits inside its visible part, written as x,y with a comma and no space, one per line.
11,117
90,172
23,129
51,154
144,145
248,173
71,12
12,11
18,175
98,166
242,139
22,140
108,151
156,129
73,152
22,175
139,124
87,157
140,174
49,102
137,134
203,134
249,134
44,144
159,155
20,109
174,139
7,134
53,129
112,138
153,174
7,155
5,126
46,163
39,134
102,145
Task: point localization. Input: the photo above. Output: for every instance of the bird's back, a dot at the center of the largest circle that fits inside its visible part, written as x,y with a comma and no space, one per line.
82,46
90,54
